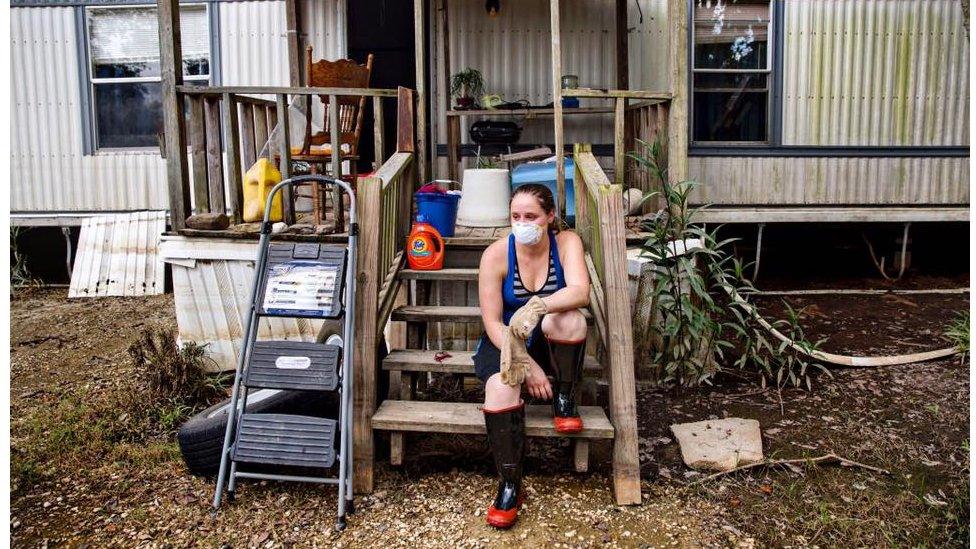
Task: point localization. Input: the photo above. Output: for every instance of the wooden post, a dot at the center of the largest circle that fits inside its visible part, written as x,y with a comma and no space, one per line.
171,67
420,59
367,304
378,129
557,107
678,109
405,121
453,148
285,164
620,350
233,147
294,61
248,148
335,134
623,66
215,158
444,70
198,154
619,147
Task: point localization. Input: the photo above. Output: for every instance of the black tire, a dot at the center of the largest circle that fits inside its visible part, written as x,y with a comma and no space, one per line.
201,438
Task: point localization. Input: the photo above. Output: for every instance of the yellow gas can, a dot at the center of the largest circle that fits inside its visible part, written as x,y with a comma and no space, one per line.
258,182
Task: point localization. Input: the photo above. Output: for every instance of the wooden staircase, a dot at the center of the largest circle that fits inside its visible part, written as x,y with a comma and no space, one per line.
409,367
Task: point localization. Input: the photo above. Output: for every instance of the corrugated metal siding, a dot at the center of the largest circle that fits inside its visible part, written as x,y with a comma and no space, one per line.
323,26
834,181
513,51
253,45
211,285
118,255
48,171
862,72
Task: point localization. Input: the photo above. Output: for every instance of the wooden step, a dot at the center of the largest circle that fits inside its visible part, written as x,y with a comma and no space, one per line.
468,275
435,313
467,418
460,362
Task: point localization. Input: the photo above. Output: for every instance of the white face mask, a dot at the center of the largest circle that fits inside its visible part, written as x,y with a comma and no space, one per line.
526,233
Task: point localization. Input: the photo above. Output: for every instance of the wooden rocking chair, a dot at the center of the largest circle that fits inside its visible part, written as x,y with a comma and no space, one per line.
316,148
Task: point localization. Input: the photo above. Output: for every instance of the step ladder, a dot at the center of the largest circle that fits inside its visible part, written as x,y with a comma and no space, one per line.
401,414
295,280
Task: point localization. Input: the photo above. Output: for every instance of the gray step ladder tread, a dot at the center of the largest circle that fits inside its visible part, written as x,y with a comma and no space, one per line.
278,365
459,274
467,418
282,439
460,362
436,313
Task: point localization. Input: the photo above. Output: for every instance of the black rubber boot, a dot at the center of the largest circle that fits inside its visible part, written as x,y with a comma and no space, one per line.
566,358
506,435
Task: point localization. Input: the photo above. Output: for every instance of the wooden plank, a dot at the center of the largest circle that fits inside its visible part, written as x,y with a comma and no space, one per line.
592,93
364,379
454,148
292,38
261,130
393,168
452,313
442,274
529,113
171,73
234,172
467,418
557,105
335,134
460,362
405,120
284,166
581,455
619,148
215,156
289,90
379,155
248,147
420,65
623,393
678,108
198,155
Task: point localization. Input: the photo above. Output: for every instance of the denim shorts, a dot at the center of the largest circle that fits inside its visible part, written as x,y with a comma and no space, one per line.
488,359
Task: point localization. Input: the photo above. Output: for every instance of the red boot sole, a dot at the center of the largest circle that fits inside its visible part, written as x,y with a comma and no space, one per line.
567,425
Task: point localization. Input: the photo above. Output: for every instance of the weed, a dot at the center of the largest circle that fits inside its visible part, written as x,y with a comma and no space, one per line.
19,274
958,335
174,373
698,322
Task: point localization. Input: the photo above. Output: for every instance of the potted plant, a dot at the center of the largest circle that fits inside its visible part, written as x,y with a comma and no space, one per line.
466,85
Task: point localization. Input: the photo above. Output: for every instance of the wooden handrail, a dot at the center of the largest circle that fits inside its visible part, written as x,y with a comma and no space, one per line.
272,90
393,168
615,94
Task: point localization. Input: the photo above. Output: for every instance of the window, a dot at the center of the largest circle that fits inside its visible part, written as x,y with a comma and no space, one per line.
124,65
732,74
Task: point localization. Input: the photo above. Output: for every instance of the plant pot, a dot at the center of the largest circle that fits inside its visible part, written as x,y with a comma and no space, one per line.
464,103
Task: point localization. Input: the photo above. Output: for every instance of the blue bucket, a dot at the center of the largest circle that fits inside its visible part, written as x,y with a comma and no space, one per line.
440,210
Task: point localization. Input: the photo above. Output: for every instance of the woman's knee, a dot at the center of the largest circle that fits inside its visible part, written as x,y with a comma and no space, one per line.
499,395
566,325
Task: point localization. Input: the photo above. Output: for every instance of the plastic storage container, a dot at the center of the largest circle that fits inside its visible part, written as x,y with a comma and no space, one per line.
258,182
440,210
545,173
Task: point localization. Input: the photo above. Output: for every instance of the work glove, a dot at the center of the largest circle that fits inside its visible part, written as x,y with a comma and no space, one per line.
527,317
515,360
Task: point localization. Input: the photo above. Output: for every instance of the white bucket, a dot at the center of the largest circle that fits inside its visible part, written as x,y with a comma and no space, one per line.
485,194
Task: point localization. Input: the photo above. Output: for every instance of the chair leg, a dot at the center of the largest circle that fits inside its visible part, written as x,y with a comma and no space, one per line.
316,197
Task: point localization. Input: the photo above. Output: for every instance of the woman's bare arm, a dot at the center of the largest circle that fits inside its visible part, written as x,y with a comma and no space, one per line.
491,276
576,294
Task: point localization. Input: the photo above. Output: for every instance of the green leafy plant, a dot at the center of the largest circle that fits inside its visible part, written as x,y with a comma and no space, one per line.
19,273
699,320
468,83
487,162
958,335
175,373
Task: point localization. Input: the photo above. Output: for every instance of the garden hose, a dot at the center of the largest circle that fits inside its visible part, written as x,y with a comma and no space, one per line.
840,360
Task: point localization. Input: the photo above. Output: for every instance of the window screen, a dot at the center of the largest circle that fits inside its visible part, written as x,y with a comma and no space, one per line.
731,71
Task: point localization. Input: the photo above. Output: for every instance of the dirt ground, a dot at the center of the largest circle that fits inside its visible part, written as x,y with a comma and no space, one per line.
79,478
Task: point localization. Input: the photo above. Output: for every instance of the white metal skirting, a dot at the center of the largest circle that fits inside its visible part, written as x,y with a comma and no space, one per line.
212,281
118,255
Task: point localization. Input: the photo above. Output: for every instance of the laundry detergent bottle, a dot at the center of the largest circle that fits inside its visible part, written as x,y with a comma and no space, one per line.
425,247
258,182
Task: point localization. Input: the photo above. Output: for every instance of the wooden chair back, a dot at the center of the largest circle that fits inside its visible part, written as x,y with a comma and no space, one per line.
343,73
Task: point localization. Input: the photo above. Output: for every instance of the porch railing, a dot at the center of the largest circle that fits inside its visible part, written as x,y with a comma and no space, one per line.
600,224
230,121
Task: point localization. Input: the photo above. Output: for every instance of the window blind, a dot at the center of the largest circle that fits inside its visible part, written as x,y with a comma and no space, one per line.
131,35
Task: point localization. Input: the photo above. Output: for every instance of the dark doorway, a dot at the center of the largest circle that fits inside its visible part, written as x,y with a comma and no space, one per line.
385,29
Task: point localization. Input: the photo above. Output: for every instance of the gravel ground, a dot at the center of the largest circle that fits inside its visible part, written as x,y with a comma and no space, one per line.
78,479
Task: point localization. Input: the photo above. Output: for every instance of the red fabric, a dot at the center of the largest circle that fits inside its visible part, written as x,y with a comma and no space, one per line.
568,424
431,188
